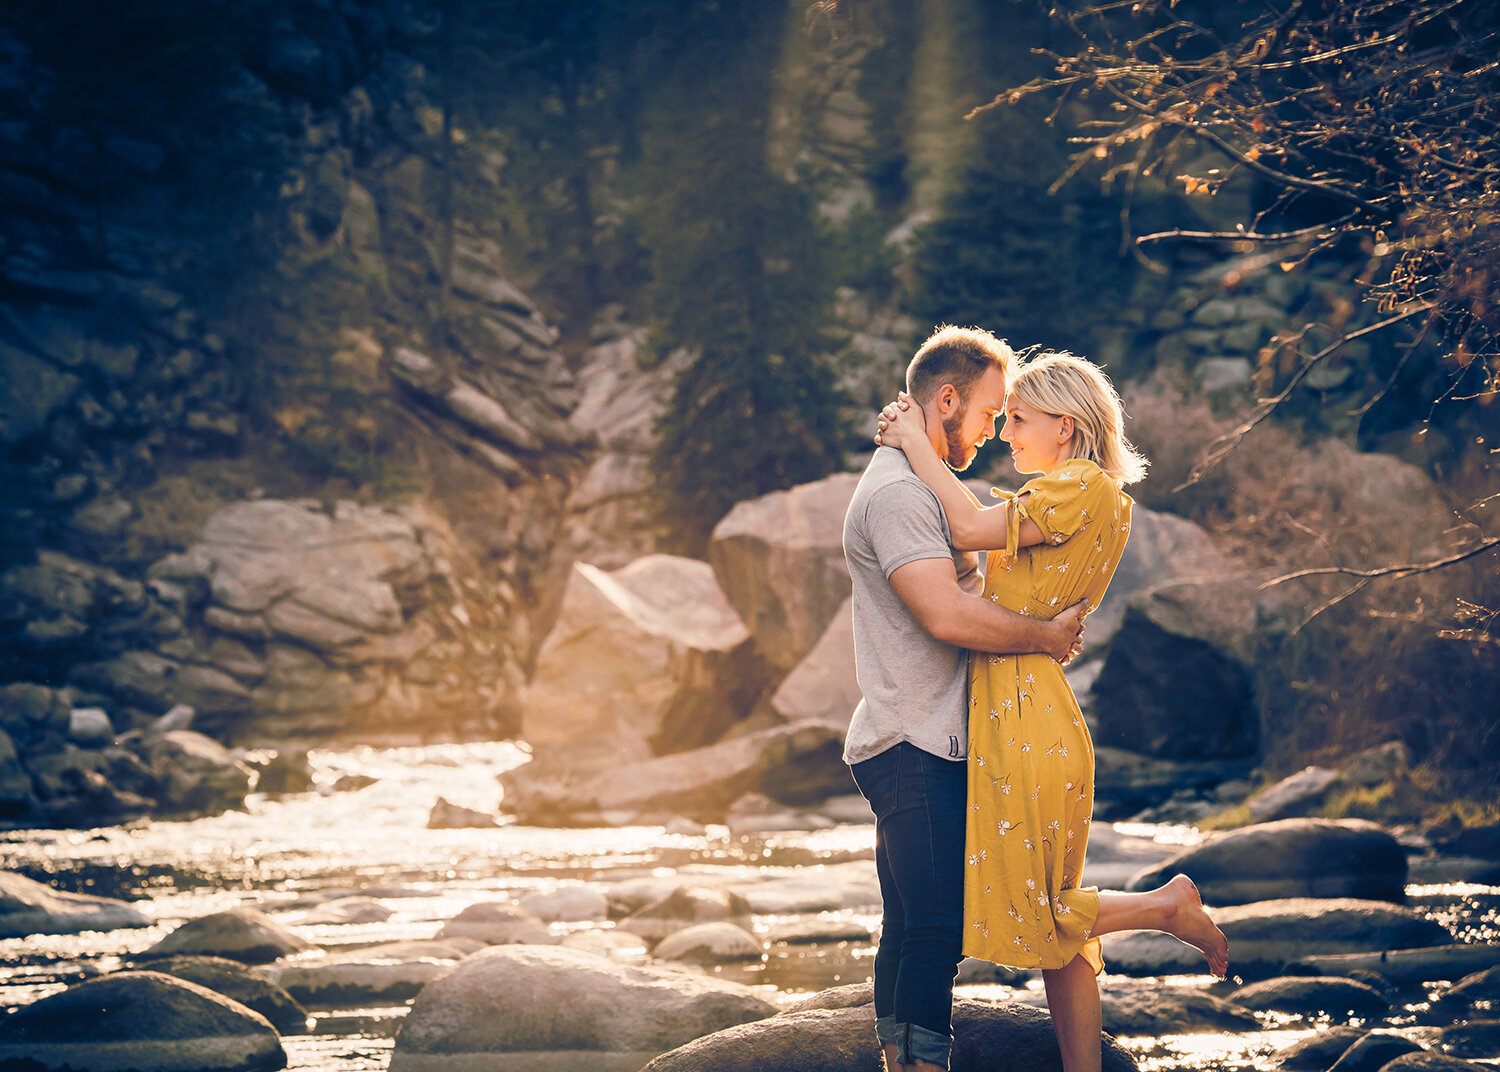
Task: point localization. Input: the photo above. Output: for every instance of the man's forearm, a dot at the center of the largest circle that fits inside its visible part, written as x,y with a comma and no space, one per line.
977,624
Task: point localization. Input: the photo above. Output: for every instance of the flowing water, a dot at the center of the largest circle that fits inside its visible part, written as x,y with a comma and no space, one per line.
284,855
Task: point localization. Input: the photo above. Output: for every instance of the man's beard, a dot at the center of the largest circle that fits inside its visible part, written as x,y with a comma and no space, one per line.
959,454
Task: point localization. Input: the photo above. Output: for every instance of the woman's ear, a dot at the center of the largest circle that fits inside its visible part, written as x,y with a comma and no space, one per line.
1065,430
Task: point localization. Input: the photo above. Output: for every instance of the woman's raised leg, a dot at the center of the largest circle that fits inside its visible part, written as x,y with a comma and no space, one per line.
1073,1000
1174,908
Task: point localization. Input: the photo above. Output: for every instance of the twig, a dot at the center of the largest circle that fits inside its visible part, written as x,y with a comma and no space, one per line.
1248,236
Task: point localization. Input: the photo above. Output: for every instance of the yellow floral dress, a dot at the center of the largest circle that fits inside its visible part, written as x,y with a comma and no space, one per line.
1031,761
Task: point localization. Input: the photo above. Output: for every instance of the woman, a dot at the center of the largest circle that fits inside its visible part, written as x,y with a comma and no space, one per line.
1031,765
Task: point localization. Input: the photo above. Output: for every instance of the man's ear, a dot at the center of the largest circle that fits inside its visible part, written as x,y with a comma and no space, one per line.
946,399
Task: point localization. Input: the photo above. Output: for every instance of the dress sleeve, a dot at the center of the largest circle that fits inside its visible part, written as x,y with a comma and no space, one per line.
1062,503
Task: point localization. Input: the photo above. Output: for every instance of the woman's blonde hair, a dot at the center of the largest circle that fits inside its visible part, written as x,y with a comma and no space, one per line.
1066,386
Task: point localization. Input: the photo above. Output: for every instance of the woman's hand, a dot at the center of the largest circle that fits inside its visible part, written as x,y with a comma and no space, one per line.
900,422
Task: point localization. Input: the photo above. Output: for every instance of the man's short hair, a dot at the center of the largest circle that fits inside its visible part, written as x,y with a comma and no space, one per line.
958,356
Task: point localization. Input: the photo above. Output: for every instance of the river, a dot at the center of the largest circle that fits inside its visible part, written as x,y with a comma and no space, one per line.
282,854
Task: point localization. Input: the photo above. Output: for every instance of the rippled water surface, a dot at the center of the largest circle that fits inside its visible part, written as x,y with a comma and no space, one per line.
281,854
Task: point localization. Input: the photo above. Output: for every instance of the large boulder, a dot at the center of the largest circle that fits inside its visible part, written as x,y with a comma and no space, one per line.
1314,996
379,974
780,560
139,1022
1266,936
528,1007
15,783
669,664
243,934
498,923
684,907
1126,782
822,687
241,984
28,907
1181,651
1290,858
198,775
835,1032
796,764
710,943
1162,548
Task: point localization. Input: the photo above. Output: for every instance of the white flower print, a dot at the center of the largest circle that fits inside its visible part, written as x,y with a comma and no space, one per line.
1004,826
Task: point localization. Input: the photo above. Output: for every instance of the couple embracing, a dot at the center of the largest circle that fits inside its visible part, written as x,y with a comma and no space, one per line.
968,743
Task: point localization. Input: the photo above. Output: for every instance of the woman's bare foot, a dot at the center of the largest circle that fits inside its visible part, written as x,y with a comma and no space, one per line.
1191,924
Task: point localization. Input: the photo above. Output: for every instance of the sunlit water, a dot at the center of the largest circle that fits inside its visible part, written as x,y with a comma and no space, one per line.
286,855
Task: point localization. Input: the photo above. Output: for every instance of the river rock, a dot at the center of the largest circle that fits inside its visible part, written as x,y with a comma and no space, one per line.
1318,1051
1373,1052
15,783
780,560
199,775
839,1037
615,944
797,764
1173,1010
139,1022
685,907
348,911
518,1007
243,934
28,907
1291,858
90,727
570,903
709,943
286,772
1163,548
1476,1039
1126,782
821,930
830,888
1479,986
446,815
1294,796
239,983
498,923
669,665
1427,1061
1313,996
1181,651
378,974
1266,936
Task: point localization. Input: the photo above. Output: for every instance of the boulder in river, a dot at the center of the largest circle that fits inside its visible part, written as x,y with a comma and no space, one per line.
571,902
1475,987
709,943
29,907
1294,796
685,907
446,815
1290,858
1266,936
518,1007
498,923
1314,996
140,1022
822,687
243,934
1373,1052
669,665
198,775
1427,1061
835,1032
796,764
1476,1038
378,974
239,983
780,560
1318,1051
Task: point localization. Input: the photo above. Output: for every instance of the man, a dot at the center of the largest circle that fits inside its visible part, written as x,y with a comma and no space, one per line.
917,613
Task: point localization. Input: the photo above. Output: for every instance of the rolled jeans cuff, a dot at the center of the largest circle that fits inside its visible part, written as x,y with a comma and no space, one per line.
914,1042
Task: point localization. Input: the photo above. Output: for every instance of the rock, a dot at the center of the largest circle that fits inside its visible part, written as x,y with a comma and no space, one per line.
497,923
1126,782
379,974
822,687
709,943
1291,858
1481,841
142,1022
820,931
446,815
529,1007
1163,548
756,813
1173,1010
15,784
993,1038
1477,1039
1376,766
1218,373
199,776
486,415
1266,936
1314,996
238,983
617,945
570,903
243,934
669,665
285,772
974,970
1318,1051
1479,986
179,717
1373,1052
1427,1061
797,764
28,907
851,808
780,560
346,911
832,888
90,727
353,783
684,907
1294,796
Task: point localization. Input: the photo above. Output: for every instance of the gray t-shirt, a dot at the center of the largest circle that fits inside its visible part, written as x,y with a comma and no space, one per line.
915,688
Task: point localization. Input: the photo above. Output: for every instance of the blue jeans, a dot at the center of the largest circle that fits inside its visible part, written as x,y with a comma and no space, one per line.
919,802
